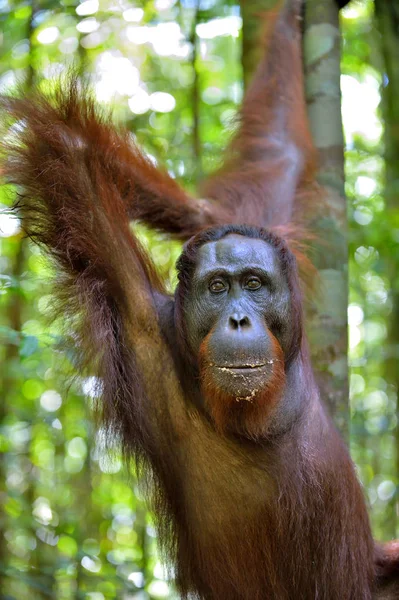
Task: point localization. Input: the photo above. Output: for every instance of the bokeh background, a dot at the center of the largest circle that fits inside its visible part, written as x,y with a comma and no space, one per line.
72,520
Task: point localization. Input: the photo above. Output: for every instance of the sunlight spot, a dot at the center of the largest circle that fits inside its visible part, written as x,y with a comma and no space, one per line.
162,102
359,105
91,564
89,7
109,464
363,215
9,225
19,434
365,186
167,39
357,384
77,448
116,75
42,511
133,15
354,11
217,27
48,35
88,25
159,589
355,314
386,490
377,400
375,332
50,400
164,4
138,35
160,572
92,40
139,103
365,254
137,578
355,336
46,536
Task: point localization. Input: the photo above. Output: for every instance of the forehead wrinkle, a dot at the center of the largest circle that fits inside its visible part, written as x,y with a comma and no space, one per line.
235,253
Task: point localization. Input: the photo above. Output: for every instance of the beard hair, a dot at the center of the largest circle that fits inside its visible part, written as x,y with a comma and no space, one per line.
246,415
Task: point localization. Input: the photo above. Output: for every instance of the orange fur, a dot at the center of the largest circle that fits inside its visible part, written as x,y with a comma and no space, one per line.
248,416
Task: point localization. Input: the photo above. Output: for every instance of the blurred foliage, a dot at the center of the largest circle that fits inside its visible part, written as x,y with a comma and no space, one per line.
373,236
73,520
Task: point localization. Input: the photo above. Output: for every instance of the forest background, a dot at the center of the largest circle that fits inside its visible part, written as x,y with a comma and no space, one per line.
72,521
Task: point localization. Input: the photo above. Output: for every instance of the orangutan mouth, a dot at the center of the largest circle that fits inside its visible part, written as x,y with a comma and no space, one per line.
246,368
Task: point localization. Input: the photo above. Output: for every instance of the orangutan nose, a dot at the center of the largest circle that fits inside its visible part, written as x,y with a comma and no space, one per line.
239,321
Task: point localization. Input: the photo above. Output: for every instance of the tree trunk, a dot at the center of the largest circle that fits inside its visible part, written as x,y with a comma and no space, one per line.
387,18
327,327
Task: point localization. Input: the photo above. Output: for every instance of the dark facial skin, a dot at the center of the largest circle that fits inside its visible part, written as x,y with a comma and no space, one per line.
239,303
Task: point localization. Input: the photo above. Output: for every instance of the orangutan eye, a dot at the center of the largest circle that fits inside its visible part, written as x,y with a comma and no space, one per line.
216,286
254,283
